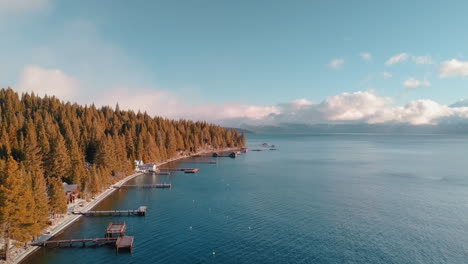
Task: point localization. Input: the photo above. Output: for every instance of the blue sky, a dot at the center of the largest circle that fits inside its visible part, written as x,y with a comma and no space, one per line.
245,59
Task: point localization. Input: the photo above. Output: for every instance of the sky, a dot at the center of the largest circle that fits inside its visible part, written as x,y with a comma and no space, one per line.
244,62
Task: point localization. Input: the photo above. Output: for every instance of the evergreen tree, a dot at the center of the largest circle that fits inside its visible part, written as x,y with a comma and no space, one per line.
58,201
16,204
59,160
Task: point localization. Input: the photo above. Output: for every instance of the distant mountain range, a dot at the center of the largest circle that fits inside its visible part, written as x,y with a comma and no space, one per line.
458,128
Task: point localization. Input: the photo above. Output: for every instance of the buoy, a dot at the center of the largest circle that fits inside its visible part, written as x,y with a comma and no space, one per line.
214,253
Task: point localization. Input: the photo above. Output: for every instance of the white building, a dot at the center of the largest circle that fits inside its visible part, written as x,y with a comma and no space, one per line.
147,167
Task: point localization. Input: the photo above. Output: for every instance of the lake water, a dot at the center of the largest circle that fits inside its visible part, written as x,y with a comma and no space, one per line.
317,199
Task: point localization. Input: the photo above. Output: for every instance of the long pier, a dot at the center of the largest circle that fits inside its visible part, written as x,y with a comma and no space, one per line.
186,170
157,185
99,241
141,211
115,234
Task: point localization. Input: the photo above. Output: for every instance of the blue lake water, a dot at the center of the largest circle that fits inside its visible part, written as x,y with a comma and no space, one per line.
317,199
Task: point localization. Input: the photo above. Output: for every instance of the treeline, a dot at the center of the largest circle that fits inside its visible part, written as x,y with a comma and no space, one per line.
44,142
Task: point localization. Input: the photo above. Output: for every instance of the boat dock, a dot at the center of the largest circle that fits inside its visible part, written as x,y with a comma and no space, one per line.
141,211
156,185
124,242
162,173
204,162
115,234
116,229
233,154
83,242
186,170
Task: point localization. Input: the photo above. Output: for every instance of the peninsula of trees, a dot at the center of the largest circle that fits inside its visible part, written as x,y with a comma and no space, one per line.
45,142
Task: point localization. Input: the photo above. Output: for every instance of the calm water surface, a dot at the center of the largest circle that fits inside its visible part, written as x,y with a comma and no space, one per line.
318,199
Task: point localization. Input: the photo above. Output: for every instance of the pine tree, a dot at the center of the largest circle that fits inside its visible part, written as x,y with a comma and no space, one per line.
57,200
77,166
16,204
59,160
41,202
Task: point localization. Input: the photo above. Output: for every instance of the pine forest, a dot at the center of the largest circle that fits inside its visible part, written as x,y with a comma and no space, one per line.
45,142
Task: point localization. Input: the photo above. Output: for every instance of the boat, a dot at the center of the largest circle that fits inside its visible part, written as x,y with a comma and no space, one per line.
244,150
195,170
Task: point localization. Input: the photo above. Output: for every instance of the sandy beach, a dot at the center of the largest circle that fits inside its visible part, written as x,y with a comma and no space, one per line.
17,254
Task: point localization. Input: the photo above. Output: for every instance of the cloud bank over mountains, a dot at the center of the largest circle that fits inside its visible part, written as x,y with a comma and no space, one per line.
357,107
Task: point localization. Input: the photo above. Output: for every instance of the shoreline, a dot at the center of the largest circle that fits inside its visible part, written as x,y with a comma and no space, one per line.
99,198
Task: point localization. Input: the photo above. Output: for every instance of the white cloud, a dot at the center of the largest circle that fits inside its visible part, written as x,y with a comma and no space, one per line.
336,63
387,75
397,58
44,81
300,103
402,57
367,107
422,59
169,104
358,107
413,83
453,68
352,106
365,56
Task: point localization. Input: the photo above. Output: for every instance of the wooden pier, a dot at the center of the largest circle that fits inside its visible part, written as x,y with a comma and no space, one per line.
179,169
115,234
116,229
157,185
162,173
83,242
186,170
204,162
141,211
233,154
124,242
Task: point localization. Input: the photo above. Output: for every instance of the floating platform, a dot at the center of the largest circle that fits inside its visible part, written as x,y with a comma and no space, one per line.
125,243
157,185
141,211
116,229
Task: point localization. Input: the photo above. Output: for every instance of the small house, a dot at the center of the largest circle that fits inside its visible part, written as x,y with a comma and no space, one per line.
150,167
71,191
138,163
